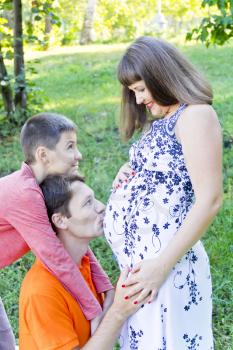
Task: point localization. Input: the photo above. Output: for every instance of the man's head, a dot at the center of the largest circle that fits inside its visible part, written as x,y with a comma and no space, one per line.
50,139
72,206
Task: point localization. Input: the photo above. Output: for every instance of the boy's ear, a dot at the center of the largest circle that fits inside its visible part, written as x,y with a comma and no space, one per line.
41,154
59,221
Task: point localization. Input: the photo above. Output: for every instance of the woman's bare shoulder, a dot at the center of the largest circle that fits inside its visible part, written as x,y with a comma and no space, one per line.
203,115
198,119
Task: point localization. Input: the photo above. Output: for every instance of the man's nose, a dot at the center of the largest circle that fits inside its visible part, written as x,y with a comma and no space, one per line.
78,155
100,207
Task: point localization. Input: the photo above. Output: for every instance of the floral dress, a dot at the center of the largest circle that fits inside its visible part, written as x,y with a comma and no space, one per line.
141,218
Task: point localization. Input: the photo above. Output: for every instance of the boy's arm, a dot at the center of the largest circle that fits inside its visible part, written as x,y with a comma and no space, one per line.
29,217
12,247
99,277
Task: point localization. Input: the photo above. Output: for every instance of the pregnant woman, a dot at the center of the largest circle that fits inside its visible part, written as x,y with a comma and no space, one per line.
166,197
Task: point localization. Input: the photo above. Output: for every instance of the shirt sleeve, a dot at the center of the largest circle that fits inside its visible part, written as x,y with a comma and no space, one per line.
99,277
29,217
49,323
12,247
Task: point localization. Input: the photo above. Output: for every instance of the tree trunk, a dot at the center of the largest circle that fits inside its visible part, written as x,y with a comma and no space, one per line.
20,83
87,30
5,88
47,32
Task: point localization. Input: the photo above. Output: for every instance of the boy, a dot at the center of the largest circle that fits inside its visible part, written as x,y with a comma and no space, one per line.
49,317
49,144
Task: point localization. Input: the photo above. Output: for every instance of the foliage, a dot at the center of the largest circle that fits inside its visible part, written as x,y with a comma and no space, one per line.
121,19
37,14
71,14
6,37
124,20
217,28
114,20
84,87
39,11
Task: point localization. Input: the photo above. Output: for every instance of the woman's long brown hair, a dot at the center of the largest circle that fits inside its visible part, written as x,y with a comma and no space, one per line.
167,74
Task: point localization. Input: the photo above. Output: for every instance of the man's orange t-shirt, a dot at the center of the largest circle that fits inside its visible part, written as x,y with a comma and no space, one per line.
49,317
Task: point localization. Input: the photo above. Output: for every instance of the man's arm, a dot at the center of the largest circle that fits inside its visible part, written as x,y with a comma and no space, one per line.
106,334
108,300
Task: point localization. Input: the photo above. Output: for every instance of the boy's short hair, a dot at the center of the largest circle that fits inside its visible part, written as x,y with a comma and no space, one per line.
57,193
43,129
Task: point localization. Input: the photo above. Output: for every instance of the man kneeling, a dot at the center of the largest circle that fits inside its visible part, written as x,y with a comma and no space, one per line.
49,317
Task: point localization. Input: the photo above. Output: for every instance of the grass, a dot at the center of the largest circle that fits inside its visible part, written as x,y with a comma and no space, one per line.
81,83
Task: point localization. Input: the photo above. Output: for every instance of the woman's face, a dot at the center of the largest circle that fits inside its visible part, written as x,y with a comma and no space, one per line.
143,95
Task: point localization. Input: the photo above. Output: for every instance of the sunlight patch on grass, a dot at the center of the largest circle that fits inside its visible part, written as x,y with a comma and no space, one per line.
30,53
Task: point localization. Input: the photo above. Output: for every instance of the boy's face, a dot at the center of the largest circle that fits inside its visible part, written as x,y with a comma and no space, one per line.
87,213
64,159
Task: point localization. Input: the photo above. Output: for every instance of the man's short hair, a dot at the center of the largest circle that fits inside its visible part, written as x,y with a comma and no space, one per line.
57,193
43,129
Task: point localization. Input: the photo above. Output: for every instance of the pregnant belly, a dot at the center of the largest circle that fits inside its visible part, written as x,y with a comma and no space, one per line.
132,214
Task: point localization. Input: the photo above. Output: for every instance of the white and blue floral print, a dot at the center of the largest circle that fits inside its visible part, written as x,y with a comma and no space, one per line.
141,218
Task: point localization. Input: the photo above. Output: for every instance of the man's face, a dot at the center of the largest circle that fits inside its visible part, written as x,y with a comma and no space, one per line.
86,220
64,159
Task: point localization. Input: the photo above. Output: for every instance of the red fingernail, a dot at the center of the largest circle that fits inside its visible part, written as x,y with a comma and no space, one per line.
126,180
135,302
126,298
149,302
133,173
123,286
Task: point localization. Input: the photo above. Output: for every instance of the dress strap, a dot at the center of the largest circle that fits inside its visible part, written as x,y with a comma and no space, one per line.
173,119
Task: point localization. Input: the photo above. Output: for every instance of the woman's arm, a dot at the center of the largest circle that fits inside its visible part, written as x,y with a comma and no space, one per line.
199,132
201,138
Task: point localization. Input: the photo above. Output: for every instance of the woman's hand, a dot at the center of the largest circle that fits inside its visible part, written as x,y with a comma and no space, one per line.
146,276
126,301
123,175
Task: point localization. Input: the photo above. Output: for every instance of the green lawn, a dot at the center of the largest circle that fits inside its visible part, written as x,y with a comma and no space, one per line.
81,83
